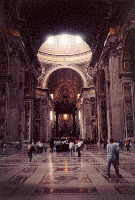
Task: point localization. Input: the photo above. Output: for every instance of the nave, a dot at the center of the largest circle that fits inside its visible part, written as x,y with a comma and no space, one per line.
67,69
58,176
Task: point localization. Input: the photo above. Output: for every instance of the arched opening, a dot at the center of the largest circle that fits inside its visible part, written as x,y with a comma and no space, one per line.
64,61
65,85
65,82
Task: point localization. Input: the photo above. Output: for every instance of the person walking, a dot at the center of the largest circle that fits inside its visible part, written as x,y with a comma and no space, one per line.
71,148
79,148
111,159
101,143
52,145
127,144
105,143
29,149
4,148
45,147
116,144
17,145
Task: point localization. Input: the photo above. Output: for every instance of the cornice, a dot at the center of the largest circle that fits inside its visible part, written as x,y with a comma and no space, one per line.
121,75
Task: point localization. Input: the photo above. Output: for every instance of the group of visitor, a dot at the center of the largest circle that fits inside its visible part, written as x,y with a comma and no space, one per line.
61,145
18,145
66,145
76,146
72,146
38,147
103,143
91,142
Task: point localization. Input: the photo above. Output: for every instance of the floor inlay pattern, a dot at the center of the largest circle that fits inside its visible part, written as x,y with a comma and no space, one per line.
45,160
13,161
4,170
9,166
65,169
54,175
101,168
90,160
55,179
126,189
128,160
69,164
29,170
7,191
73,190
114,179
17,180
129,167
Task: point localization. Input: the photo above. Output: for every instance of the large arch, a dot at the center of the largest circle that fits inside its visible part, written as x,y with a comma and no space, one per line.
64,51
43,78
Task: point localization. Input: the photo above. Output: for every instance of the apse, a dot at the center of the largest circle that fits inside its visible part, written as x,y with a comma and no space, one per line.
65,82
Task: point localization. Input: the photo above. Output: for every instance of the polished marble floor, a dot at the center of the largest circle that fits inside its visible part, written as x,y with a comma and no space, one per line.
57,176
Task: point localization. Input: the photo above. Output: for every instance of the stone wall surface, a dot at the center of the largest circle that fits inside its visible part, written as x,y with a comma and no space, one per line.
116,97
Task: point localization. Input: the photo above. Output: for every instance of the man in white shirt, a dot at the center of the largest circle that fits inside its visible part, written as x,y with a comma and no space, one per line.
71,148
111,158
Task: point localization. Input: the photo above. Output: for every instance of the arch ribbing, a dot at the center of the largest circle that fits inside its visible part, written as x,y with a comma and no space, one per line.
54,68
